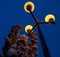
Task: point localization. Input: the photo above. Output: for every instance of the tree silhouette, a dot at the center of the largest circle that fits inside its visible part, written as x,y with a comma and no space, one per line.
17,45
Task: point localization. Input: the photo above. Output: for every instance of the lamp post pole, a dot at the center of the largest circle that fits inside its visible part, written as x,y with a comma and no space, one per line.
43,43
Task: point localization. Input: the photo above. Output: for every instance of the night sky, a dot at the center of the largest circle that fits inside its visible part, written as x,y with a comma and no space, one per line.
12,13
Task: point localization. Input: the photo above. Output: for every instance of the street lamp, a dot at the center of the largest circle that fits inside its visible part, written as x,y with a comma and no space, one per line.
28,27
49,19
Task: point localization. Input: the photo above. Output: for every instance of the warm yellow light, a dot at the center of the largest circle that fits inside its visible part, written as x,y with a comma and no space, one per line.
28,27
49,18
27,4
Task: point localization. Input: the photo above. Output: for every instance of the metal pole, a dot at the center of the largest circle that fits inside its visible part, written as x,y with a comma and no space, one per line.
43,43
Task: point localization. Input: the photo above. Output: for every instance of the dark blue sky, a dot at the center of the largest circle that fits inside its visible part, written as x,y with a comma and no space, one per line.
12,12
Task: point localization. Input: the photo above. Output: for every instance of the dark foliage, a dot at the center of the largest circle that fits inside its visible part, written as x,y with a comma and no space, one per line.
17,45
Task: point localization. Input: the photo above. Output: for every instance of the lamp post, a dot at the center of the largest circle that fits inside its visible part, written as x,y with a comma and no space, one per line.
29,7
